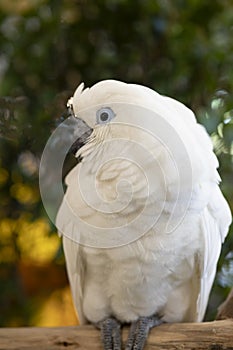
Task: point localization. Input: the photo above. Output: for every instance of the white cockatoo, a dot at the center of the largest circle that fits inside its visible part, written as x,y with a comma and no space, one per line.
143,218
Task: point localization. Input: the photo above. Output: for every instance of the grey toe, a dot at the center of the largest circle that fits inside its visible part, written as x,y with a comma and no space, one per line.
139,331
110,333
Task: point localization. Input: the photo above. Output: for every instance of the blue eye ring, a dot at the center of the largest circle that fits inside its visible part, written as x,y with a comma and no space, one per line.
104,115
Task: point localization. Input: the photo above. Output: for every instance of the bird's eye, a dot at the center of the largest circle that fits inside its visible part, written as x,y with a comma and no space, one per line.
104,115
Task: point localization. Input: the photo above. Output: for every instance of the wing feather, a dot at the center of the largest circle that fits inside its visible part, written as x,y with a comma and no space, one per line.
216,219
75,268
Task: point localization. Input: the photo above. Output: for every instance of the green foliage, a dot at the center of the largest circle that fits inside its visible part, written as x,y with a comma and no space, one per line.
179,48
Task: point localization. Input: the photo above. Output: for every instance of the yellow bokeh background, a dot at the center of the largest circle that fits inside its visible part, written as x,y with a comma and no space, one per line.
44,280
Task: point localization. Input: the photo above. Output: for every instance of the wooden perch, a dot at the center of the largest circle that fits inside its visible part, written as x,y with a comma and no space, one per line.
217,335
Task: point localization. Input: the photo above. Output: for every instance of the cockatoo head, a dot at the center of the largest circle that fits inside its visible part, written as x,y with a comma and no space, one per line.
101,110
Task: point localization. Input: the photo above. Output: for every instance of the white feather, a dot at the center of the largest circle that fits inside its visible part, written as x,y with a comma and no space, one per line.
170,274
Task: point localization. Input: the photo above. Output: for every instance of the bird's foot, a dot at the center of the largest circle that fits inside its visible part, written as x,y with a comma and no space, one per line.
110,333
139,331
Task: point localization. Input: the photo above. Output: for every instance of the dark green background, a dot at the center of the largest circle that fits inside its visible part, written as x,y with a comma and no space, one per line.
180,48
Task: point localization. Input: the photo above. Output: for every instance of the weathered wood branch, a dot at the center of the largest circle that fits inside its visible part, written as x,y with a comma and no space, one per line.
217,335
225,310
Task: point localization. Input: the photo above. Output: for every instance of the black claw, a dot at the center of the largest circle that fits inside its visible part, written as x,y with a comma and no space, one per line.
110,333
139,331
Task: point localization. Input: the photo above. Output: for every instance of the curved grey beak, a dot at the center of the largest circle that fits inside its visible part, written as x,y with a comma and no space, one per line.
81,132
